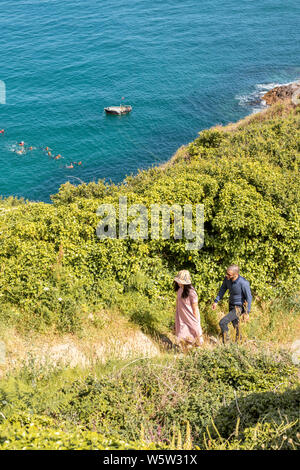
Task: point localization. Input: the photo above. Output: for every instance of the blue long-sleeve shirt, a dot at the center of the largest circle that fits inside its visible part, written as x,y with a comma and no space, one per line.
239,292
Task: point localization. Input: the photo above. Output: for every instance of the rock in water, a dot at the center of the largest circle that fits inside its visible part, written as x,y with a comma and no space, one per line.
282,92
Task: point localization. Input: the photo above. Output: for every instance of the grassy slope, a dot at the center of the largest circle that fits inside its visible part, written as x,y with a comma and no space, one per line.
55,272
232,397
42,247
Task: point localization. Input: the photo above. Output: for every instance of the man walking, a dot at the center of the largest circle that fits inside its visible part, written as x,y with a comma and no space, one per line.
240,299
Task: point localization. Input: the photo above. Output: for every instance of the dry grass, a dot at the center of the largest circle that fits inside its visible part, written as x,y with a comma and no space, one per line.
107,335
270,325
180,154
117,339
281,108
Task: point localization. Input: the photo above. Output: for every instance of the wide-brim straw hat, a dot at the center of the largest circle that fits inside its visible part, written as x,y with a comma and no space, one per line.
183,277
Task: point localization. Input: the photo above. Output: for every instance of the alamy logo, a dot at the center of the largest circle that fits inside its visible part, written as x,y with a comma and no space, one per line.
2,92
160,221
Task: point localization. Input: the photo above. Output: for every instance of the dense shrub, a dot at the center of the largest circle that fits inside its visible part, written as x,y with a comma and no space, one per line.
247,181
270,409
154,396
25,431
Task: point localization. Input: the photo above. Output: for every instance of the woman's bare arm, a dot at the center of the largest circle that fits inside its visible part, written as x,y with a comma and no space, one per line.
196,310
197,315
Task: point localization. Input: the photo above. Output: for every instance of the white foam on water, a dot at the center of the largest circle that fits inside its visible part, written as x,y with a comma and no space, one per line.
11,147
267,86
15,149
253,100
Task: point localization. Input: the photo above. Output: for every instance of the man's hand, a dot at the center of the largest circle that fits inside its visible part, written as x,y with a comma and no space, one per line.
245,317
214,306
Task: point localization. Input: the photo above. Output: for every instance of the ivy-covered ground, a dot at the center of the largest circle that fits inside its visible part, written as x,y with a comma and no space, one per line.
226,398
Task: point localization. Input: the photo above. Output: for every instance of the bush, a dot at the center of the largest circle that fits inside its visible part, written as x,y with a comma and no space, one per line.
33,432
145,400
246,181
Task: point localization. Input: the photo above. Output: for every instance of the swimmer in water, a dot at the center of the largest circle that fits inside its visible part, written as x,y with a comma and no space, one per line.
58,156
70,166
2,131
21,143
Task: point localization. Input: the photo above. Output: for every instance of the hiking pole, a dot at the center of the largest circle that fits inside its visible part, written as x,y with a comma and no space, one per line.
245,313
240,315
237,329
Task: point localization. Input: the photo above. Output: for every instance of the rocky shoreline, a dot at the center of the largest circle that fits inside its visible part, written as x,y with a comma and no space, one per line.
283,92
289,92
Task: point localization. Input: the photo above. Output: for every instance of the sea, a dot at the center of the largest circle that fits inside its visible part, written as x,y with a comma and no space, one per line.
183,66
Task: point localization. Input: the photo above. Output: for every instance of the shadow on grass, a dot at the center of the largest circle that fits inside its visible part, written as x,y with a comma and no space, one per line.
268,419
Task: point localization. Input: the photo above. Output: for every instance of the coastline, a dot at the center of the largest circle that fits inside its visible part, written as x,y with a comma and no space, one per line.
288,93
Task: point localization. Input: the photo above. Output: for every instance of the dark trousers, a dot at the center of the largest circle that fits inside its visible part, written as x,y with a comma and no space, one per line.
233,316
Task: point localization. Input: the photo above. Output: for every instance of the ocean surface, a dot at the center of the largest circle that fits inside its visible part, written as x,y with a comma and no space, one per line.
183,65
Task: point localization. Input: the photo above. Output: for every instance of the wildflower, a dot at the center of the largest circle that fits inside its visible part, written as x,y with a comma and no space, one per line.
59,299
46,288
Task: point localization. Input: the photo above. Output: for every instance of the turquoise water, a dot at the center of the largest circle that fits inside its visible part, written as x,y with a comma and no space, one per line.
184,65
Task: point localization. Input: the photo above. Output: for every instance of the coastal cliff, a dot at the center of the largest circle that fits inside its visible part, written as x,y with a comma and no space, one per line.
88,353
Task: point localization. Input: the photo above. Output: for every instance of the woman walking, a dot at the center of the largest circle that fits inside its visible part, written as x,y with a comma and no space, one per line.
187,322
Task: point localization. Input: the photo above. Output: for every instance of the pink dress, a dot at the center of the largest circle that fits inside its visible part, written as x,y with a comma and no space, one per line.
187,326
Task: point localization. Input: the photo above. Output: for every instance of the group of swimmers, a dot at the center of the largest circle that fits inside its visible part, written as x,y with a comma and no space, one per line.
49,153
22,149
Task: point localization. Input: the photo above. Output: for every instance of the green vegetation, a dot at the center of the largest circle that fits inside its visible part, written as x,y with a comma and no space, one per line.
55,273
227,396
52,262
